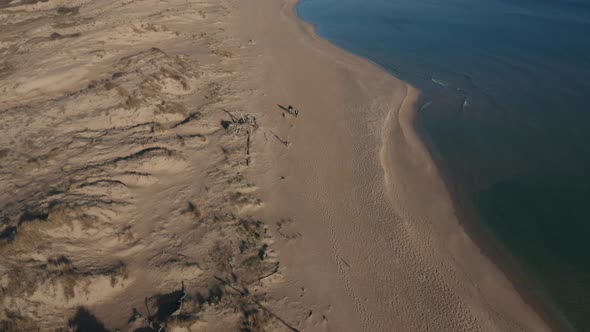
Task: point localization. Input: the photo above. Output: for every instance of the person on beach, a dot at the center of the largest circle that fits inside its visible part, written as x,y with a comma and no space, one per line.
293,111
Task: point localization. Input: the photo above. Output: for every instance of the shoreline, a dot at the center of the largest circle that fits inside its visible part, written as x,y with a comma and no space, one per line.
483,240
494,250
469,221
489,246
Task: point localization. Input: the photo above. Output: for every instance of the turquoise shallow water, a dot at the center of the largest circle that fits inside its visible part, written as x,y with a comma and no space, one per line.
505,85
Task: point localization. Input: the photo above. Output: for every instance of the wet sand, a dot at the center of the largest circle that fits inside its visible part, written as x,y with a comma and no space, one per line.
150,179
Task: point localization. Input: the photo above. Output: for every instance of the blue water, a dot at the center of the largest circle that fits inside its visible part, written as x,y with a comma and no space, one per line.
507,85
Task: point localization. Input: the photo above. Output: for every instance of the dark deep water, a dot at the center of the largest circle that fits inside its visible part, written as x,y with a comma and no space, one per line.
505,106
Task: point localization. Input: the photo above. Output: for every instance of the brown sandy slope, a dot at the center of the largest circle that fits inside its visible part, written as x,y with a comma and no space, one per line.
149,181
124,141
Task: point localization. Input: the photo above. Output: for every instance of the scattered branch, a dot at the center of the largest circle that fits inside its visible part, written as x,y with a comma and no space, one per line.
233,118
248,149
275,316
345,263
275,270
227,283
251,299
285,143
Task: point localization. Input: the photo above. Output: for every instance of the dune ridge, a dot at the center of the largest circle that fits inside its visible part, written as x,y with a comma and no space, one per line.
124,141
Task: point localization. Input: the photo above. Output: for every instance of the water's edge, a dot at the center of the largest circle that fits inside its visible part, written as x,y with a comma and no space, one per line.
490,247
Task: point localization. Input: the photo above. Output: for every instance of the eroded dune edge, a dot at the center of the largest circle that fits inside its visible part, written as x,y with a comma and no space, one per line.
124,138
152,179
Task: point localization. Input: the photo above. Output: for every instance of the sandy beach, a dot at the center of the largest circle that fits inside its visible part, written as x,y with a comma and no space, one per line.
152,179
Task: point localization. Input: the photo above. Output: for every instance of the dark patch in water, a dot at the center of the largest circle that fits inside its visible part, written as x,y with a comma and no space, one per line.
543,211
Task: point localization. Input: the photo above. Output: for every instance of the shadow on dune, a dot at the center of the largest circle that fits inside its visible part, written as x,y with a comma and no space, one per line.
84,321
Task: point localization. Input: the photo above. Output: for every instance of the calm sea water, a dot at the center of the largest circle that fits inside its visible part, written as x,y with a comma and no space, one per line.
506,87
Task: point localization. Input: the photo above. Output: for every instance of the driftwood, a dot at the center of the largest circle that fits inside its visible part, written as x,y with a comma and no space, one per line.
345,262
177,312
248,149
237,124
233,118
274,316
292,111
285,143
275,270
227,283
247,296
147,308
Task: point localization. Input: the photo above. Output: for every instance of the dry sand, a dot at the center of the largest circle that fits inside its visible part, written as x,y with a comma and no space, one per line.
149,180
